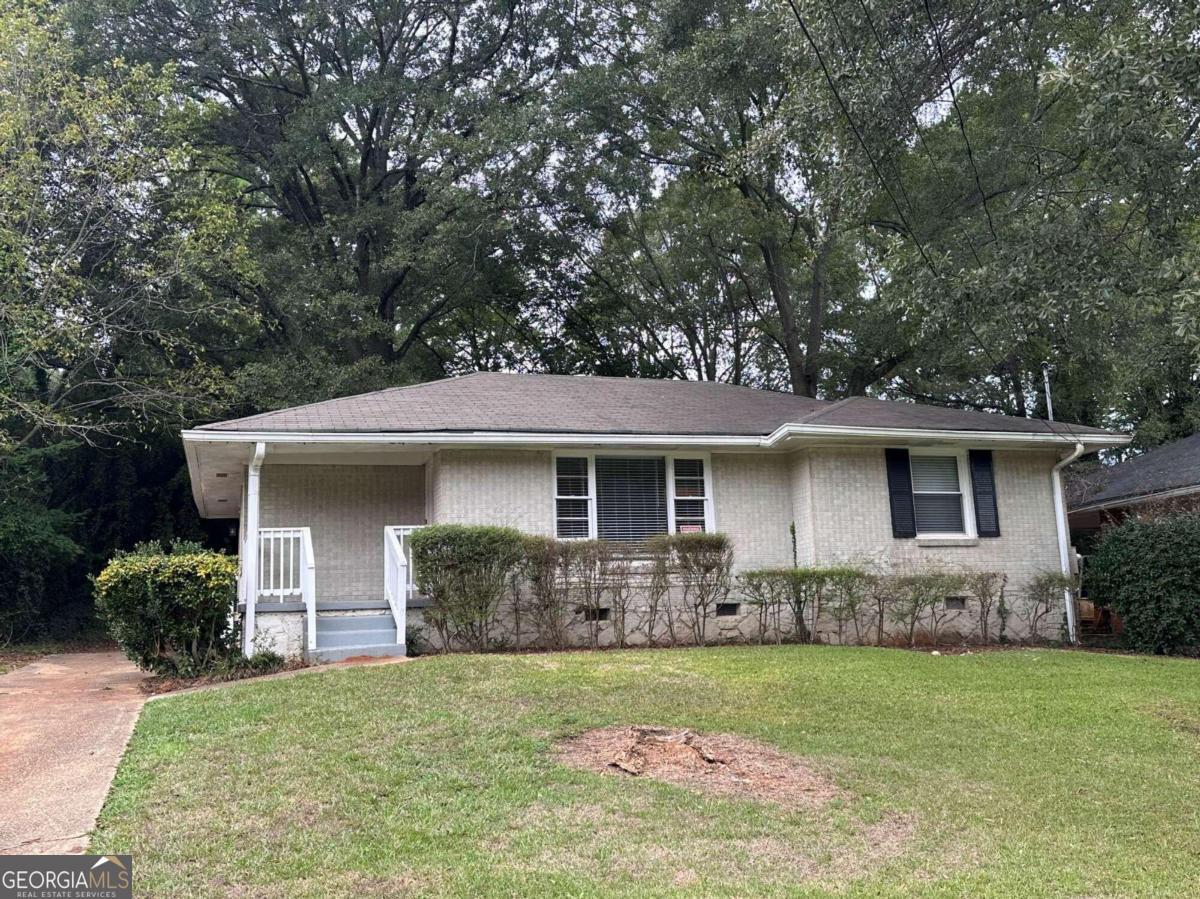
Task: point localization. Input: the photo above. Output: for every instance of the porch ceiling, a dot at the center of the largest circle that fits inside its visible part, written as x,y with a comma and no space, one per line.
218,468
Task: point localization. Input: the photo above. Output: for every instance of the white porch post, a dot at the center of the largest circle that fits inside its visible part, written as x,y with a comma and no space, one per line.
250,542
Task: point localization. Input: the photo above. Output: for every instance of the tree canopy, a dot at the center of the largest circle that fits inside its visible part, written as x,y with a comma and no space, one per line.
212,207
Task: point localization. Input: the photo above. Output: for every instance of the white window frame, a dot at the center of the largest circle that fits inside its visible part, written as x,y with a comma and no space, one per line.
590,498
965,488
710,520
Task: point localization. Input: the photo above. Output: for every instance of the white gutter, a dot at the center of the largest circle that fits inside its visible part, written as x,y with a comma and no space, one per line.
1064,535
250,546
938,435
508,438
474,438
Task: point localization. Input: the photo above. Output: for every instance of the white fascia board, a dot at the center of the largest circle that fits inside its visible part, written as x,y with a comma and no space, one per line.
472,438
527,438
1097,441
193,464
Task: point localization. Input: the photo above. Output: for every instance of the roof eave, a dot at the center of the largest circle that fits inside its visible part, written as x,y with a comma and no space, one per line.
1137,499
948,435
773,440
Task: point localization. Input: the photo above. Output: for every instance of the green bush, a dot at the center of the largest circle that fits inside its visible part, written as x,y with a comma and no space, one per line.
170,610
1149,573
545,567
804,592
703,563
465,570
918,598
766,590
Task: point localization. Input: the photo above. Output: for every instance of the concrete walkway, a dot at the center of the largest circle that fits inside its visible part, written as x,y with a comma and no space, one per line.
64,723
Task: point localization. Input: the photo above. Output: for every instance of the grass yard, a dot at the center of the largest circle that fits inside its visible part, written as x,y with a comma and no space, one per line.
1025,773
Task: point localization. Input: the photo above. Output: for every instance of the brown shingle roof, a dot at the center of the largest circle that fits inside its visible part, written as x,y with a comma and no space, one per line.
1173,466
565,404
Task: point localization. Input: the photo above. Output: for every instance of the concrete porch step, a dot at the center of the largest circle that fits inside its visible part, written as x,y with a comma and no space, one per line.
344,636
337,654
332,623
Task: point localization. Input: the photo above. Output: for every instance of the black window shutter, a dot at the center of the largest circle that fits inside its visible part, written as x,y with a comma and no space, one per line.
983,487
904,516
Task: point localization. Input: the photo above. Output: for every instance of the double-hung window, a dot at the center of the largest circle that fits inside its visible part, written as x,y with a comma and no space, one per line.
940,503
627,498
572,498
691,496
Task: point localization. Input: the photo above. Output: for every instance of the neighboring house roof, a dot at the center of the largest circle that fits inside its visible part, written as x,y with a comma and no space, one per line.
565,404
1171,469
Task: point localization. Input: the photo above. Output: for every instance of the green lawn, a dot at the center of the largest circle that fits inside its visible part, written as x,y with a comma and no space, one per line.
1025,773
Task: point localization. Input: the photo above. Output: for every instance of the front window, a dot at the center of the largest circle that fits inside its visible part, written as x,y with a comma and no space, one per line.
631,498
628,498
572,498
937,494
690,496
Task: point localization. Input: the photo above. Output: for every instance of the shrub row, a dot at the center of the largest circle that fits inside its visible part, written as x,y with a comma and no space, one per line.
470,572
171,609
467,571
861,603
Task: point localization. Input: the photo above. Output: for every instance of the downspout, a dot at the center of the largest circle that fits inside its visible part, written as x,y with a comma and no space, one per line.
250,541
1064,534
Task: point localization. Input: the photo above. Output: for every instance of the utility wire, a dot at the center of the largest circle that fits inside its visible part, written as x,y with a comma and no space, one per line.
861,140
962,124
887,187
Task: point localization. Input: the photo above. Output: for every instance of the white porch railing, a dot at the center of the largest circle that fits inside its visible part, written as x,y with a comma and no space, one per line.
398,586
287,571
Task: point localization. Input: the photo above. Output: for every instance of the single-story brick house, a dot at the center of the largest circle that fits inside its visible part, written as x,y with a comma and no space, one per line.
326,494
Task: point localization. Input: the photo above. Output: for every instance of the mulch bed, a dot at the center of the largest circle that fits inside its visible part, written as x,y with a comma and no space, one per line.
167,684
722,764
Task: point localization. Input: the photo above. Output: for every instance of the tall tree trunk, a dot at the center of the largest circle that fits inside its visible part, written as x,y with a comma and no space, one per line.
780,293
816,320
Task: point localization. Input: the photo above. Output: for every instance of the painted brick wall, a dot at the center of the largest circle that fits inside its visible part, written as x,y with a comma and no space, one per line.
502,487
347,507
852,518
803,513
752,502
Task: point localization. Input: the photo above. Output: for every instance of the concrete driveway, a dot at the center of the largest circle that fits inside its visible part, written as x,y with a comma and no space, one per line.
64,723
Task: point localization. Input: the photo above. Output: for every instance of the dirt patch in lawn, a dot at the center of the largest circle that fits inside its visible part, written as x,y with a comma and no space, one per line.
723,764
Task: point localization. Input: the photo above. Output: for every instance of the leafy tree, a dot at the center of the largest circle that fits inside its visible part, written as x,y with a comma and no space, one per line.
384,147
109,240
1035,187
751,227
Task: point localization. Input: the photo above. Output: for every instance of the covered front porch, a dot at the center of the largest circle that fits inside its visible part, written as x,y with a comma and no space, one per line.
324,544
283,608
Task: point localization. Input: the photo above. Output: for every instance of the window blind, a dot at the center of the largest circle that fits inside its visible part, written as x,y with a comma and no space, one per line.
631,498
937,496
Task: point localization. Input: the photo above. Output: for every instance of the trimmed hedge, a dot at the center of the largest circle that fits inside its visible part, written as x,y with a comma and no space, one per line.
465,570
1149,572
170,611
